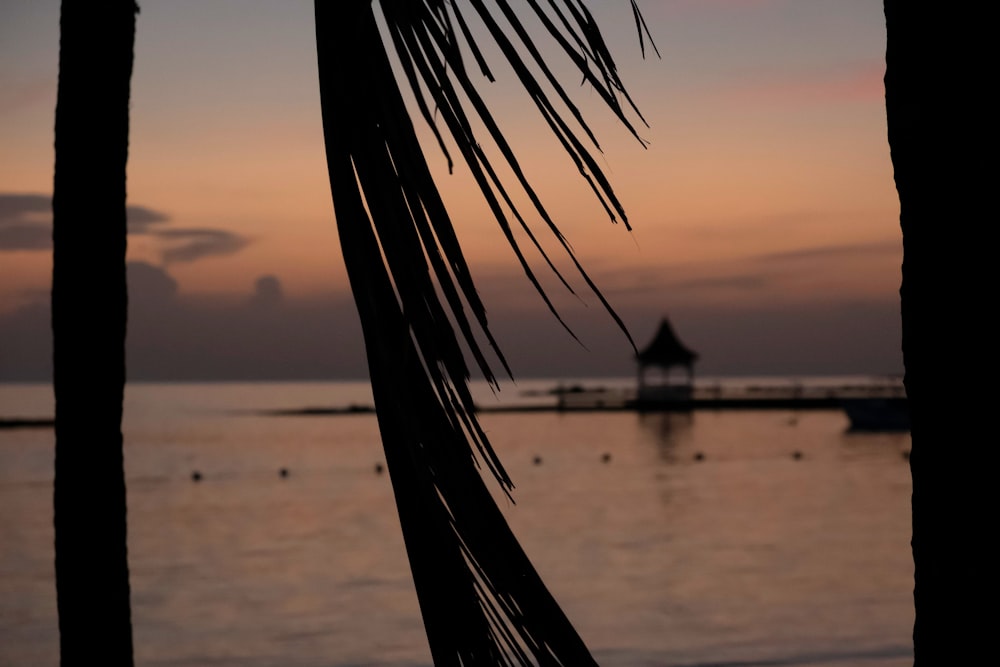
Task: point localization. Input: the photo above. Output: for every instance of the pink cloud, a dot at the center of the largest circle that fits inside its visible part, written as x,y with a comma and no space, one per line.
18,95
707,5
858,83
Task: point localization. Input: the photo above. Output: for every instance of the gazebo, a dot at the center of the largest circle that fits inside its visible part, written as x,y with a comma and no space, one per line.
666,351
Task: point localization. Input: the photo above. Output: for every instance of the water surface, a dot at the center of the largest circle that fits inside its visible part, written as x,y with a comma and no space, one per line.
748,556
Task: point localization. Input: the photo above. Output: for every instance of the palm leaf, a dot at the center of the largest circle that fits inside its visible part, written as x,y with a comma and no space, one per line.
481,599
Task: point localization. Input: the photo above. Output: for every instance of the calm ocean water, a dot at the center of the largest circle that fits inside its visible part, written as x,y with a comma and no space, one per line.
748,557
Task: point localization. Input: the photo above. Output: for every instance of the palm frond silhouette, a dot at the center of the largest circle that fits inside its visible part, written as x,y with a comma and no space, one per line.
482,601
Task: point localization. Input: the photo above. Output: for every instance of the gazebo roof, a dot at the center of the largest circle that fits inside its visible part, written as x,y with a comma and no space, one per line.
666,349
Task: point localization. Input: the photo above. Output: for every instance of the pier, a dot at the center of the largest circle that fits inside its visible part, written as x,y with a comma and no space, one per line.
771,395
765,394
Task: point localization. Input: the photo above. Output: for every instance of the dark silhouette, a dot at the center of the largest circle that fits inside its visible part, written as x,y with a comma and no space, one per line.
88,327
942,129
665,351
482,601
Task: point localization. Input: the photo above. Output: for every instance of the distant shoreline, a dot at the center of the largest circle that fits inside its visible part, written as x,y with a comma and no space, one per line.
620,395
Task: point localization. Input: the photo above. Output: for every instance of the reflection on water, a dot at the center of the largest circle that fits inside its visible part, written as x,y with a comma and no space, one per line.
670,430
746,556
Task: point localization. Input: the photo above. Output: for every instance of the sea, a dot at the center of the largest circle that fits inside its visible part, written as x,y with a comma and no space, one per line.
712,538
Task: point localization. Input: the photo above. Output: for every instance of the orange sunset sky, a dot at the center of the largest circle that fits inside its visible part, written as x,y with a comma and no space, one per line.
764,212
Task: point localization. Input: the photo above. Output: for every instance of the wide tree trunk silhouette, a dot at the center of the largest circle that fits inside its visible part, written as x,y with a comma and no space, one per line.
88,326
482,601
942,136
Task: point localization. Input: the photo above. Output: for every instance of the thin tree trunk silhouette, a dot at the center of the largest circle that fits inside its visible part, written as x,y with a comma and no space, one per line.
88,326
482,601
942,130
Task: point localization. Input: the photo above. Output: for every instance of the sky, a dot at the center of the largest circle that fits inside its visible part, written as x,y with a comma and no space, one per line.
764,214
